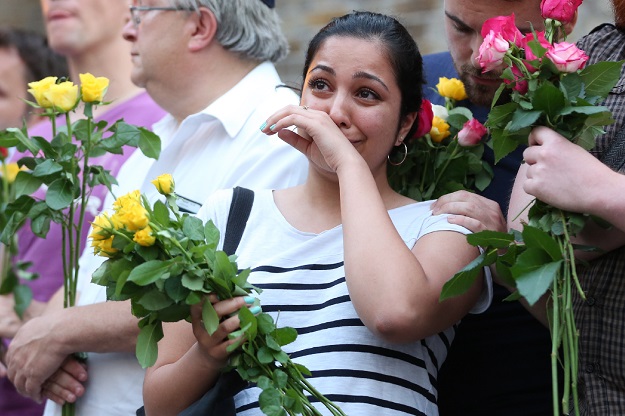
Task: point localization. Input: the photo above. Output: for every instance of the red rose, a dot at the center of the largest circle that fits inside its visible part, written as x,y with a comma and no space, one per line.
424,119
561,10
471,133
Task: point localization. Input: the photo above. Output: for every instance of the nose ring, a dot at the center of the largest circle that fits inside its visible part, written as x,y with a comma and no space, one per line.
305,107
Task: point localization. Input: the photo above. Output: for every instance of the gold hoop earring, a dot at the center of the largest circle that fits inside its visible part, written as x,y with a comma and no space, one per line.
403,158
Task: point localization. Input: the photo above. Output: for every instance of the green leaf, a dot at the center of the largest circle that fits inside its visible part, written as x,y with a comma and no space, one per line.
549,99
211,233
501,115
210,317
193,228
26,184
505,142
265,323
23,295
601,77
192,282
46,168
161,213
285,336
24,140
149,143
247,318
488,238
462,281
147,344
60,194
175,290
149,272
533,283
280,378
155,300
265,355
522,119
537,238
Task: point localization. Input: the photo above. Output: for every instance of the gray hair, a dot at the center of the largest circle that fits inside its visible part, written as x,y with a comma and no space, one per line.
246,27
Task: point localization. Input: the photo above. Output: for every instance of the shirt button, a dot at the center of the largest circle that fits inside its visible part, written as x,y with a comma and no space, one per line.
590,368
590,301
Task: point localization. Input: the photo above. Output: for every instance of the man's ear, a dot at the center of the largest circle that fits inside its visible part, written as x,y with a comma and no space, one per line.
204,29
568,28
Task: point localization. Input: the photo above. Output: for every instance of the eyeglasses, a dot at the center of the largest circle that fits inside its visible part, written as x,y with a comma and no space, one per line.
136,18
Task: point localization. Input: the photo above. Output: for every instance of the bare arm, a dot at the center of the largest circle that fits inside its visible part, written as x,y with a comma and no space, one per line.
189,360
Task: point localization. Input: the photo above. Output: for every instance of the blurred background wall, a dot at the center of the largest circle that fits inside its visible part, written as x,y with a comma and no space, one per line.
303,18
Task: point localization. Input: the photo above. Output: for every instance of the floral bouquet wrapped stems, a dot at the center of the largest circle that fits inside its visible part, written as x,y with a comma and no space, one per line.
164,262
549,85
63,166
445,154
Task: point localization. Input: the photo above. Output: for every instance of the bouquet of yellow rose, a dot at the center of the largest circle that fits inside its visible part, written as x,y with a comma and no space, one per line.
445,153
63,166
164,261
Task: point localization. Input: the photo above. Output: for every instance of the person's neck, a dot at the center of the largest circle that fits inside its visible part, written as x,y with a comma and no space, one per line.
110,61
204,83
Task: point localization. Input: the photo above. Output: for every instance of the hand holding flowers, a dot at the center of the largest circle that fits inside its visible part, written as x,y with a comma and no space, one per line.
164,262
549,85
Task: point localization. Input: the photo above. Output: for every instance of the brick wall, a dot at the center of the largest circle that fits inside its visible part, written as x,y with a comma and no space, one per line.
303,18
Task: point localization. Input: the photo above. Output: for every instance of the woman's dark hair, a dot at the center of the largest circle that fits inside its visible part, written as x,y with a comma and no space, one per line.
40,61
401,48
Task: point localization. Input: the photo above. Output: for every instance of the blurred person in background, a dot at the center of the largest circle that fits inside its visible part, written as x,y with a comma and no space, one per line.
88,33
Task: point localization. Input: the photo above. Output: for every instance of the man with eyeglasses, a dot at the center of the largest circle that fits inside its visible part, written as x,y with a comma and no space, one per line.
208,63
88,34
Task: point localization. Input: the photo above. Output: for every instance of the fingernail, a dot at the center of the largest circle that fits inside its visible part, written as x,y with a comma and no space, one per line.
255,310
249,300
262,127
273,126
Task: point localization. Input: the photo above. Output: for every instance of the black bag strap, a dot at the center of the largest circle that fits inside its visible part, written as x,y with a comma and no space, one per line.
240,208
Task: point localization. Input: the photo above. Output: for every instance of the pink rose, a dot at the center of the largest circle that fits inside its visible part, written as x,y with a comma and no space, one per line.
424,118
520,83
561,10
567,57
504,25
471,133
492,51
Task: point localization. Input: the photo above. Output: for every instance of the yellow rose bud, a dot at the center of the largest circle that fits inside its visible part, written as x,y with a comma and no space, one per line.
451,88
104,248
63,96
102,227
93,89
39,88
144,237
10,170
440,130
164,184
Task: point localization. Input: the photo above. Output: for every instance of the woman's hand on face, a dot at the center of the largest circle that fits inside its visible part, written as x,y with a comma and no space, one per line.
214,346
317,136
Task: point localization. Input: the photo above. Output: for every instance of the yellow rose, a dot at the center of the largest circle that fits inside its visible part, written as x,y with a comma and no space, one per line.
144,237
130,198
440,130
451,88
11,170
63,96
164,184
93,89
104,248
102,227
39,88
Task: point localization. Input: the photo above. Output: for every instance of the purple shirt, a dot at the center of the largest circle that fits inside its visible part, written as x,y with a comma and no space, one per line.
45,254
